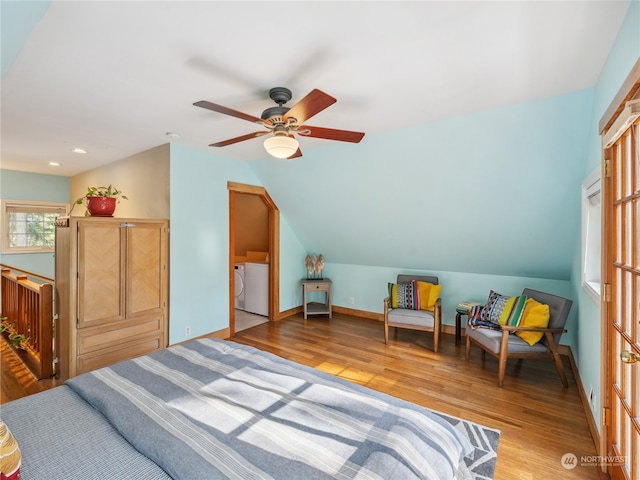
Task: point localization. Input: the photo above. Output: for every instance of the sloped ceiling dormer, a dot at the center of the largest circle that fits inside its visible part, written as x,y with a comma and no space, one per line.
493,193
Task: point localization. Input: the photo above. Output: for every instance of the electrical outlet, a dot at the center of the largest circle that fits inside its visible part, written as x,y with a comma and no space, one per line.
187,331
352,300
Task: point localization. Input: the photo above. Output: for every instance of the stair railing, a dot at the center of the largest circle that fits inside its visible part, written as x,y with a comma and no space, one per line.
27,323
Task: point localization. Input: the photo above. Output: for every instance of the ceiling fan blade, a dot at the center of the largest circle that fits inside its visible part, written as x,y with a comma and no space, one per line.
228,111
295,155
330,133
242,138
313,103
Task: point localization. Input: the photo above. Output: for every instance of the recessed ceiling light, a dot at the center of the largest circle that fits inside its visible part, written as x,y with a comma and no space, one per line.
78,150
55,164
173,136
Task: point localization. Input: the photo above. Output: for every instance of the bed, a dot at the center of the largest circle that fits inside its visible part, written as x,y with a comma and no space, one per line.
211,409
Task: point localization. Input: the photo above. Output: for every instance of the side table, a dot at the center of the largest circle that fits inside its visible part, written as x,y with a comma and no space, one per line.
463,308
316,285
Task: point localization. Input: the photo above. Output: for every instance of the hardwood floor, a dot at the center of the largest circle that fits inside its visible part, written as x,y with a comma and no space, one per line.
539,420
16,381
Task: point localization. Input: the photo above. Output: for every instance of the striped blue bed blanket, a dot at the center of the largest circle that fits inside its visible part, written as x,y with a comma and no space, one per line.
212,409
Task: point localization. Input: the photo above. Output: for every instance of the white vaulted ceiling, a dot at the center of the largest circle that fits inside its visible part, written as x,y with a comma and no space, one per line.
115,77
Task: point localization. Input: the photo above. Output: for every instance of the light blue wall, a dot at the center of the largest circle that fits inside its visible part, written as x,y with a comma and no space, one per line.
368,286
16,185
199,252
586,343
489,193
17,20
199,215
486,201
292,268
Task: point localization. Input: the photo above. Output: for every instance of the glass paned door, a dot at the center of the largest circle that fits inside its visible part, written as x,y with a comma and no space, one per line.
622,259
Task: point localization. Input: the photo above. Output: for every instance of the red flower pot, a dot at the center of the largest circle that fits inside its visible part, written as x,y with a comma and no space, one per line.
101,206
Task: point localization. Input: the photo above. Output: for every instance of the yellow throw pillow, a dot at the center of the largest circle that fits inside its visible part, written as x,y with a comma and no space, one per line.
428,294
535,314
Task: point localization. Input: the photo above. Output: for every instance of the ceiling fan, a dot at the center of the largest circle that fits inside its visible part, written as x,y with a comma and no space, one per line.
283,122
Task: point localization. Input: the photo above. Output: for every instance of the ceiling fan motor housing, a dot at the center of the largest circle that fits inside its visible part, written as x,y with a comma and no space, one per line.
274,114
280,95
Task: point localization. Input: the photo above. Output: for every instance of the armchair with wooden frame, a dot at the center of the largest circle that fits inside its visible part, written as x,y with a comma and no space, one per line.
424,320
504,345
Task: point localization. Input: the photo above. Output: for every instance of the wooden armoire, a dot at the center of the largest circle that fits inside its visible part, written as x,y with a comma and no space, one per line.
112,284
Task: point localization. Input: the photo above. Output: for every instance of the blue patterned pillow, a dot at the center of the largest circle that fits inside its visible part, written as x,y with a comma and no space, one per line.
476,319
404,295
504,310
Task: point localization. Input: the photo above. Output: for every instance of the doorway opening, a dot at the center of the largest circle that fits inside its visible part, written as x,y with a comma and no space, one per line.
271,259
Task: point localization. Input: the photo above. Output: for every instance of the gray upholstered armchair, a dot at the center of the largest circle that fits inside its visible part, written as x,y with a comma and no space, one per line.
502,344
425,320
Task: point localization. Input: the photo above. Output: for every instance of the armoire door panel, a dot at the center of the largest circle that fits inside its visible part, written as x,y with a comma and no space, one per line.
145,268
100,273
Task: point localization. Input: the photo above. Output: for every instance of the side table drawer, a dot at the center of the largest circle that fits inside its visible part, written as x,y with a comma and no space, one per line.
319,288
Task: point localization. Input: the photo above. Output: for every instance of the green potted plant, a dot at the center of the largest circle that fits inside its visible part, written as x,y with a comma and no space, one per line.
18,340
100,201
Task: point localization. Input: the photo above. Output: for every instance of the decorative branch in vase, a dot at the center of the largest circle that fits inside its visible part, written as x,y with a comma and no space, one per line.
320,266
309,266
314,265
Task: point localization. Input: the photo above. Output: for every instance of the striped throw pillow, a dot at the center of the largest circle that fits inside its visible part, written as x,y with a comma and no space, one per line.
504,310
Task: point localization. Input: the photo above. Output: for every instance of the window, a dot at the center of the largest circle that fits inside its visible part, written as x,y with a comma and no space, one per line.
591,235
29,227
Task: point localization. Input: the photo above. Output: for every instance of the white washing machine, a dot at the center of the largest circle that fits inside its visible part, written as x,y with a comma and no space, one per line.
257,288
238,275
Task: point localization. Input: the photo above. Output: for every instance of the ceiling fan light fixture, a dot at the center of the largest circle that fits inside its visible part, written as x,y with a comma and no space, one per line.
281,146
